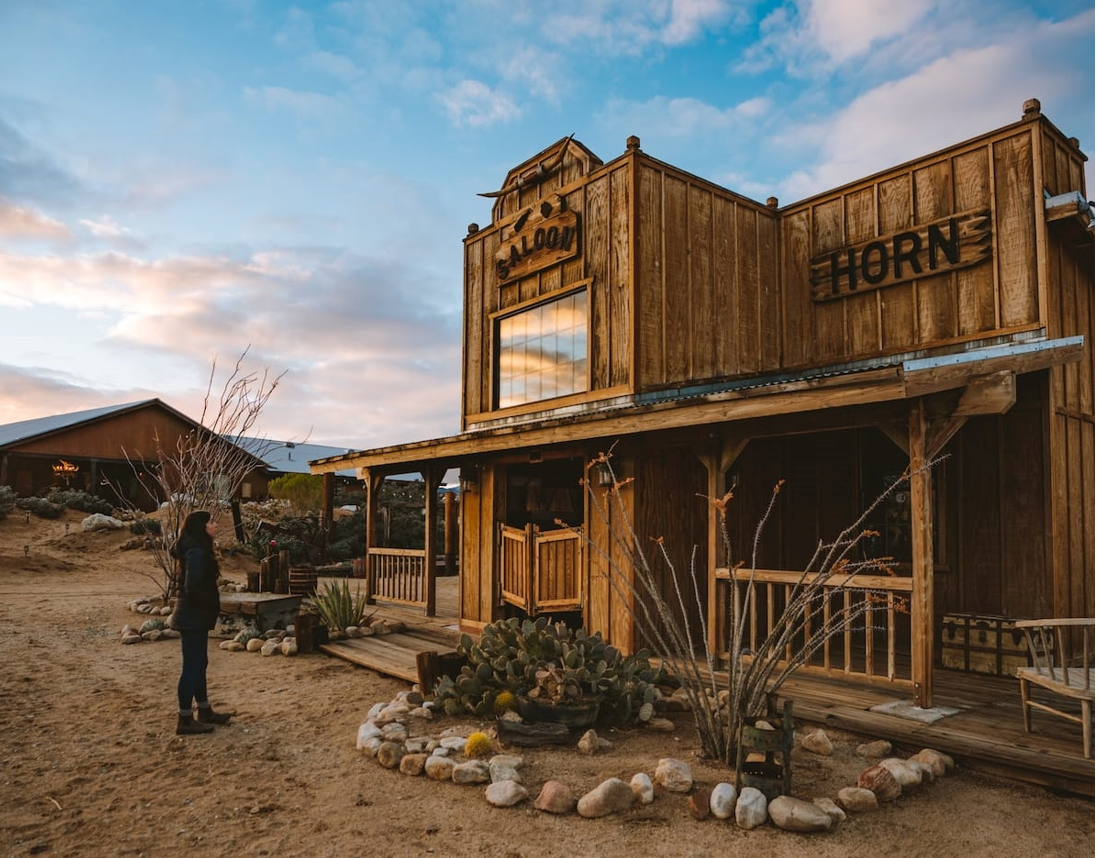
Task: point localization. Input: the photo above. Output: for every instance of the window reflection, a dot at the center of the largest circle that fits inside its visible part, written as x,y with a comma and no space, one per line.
543,351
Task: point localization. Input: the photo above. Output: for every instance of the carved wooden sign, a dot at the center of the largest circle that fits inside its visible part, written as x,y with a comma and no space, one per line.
541,236
949,243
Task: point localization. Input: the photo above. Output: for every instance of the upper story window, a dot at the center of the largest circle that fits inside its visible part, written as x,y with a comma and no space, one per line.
542,351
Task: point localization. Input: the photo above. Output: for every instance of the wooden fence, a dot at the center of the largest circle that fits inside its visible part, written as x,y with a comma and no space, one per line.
398,575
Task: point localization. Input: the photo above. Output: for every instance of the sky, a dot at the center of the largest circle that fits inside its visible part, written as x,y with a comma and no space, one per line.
183,182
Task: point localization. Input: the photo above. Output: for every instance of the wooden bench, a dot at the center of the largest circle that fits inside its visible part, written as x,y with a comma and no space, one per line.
1062,663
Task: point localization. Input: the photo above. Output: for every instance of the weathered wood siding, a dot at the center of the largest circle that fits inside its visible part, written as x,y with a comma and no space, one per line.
706,280
603,204
476,602
996,173
1070,289
672,516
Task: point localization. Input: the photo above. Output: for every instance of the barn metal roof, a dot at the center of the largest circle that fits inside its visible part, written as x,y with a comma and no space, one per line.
11,433
291,457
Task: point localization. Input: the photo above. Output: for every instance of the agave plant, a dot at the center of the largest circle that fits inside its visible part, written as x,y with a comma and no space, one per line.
339,608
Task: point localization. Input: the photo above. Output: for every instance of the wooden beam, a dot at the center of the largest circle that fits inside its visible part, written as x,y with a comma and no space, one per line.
920,379
712,460
327,512
432,478
988,394
778,399
373,496
921,532
730,451
940,432
898,435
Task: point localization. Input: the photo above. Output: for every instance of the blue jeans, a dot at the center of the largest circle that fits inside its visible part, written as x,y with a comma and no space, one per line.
192,680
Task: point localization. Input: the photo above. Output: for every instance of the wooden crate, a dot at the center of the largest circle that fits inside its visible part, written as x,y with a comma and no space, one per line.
982,644
262,611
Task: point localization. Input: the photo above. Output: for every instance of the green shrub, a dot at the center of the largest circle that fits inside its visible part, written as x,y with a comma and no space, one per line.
7,500
41,507
80,500
303,492
146,527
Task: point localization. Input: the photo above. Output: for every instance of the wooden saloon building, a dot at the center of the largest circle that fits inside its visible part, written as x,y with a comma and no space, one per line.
941,310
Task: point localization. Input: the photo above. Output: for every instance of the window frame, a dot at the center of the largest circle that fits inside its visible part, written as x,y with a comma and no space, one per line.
495,321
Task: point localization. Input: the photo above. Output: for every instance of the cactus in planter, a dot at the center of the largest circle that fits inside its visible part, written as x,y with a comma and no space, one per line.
553,665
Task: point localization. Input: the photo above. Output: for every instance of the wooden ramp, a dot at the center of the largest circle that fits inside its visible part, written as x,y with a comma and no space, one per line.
394,654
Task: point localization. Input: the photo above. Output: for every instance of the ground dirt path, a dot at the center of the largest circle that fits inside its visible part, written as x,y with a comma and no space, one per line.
90,765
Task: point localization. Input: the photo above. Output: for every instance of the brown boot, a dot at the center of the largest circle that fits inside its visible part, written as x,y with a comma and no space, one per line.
187,726
206,715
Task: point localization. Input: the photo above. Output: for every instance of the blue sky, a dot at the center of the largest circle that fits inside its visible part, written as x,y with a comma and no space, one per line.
182,180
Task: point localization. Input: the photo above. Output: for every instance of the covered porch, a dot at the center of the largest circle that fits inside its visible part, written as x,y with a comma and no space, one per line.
976,718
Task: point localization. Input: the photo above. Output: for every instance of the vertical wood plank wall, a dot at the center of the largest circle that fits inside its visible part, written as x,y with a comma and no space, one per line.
604,205
707,296
1070,396
994,172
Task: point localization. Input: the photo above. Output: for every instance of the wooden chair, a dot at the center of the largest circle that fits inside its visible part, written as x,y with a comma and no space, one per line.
1060,667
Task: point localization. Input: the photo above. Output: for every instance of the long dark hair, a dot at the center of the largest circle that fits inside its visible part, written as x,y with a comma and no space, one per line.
194,531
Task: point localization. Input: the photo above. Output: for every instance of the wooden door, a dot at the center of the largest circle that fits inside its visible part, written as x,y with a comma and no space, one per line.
540,571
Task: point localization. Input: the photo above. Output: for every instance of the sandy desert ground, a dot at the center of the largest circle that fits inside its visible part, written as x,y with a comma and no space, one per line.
90,765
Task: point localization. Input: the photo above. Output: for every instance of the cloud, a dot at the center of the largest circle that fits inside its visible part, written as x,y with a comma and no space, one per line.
904,118
20,222
476,104
688,19
844,30
624,27
108,229
28,392
361,334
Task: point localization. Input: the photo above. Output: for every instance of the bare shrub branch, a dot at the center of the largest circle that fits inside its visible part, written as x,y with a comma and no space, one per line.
204,468
722,701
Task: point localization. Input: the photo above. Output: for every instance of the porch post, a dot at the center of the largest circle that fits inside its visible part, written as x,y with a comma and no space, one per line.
450,514
432,477
921,549
327,512
711,461
373,496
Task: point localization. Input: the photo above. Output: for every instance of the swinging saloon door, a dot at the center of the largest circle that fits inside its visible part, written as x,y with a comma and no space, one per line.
540,571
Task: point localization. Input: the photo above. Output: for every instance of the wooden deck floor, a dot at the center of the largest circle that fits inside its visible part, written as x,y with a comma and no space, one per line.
986,731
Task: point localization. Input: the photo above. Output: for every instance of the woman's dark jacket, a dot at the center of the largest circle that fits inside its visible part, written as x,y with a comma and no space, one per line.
199,601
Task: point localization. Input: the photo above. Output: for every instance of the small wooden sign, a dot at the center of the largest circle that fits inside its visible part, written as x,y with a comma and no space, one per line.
947,244
541,236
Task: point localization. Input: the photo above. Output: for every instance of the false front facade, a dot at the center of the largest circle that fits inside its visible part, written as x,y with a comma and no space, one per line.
935,318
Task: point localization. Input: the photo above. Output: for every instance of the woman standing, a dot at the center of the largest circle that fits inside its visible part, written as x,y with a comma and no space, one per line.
196,609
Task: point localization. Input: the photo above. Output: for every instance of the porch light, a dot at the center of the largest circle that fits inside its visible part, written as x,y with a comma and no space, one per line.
604,474
468,480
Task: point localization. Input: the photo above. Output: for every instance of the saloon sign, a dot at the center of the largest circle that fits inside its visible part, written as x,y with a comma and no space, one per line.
933,248
541,236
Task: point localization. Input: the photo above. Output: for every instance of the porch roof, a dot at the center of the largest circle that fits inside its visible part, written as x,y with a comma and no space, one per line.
881,380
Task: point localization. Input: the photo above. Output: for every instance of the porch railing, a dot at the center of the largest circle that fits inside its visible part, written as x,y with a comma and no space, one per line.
398,575
874,645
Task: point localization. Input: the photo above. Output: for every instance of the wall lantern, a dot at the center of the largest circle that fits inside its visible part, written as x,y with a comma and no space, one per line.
469,479
604,474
